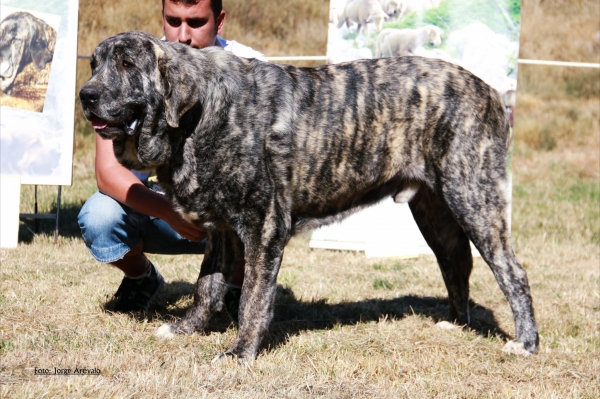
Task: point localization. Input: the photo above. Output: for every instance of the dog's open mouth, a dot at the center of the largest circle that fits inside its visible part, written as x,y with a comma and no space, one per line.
108,128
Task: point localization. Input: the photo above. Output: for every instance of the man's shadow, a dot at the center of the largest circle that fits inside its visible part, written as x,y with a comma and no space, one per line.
293,315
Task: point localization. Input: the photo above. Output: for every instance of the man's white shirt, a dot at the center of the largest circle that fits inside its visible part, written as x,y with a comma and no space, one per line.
239,49
236,48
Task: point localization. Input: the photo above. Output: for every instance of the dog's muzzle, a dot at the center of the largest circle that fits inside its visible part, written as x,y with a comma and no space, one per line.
89,97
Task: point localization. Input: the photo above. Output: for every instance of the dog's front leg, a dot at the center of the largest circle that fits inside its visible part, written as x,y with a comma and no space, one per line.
263,259
224,252
256,308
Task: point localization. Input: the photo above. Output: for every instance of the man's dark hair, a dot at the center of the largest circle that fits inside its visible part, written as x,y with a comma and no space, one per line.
216,5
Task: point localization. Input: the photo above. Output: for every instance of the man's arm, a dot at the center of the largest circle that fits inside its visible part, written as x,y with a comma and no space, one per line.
120,183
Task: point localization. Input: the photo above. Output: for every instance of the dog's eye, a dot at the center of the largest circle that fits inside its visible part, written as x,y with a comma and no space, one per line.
127,64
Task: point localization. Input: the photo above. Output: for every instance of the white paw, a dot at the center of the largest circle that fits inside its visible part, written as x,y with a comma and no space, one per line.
516,348
222,359
445,325
165,331
229,359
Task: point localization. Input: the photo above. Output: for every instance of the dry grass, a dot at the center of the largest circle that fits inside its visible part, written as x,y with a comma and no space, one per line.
338,331
344,326
31,101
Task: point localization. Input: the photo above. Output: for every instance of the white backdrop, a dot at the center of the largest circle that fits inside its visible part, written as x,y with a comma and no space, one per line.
38,146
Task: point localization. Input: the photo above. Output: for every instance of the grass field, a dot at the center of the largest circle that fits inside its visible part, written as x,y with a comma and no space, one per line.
345,326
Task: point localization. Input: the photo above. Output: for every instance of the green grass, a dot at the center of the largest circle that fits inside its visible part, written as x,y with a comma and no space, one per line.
502,16
382,284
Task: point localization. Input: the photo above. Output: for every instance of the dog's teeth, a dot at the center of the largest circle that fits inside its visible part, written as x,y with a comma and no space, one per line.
132,126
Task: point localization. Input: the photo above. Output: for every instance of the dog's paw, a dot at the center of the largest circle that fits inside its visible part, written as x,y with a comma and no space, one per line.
223,359
445,325
165,331
516,348
229,358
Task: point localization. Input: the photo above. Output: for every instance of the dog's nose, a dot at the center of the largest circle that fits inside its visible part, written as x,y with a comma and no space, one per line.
89,95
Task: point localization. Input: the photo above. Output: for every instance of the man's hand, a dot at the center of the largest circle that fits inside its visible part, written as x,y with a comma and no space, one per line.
184,228
119,183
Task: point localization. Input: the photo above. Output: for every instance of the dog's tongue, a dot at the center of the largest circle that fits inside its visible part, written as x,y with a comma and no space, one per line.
99,123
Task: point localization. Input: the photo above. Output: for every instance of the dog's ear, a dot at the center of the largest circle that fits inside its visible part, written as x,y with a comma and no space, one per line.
180,89
38,48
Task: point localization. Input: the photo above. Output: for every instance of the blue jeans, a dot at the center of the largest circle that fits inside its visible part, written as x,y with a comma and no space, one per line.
111,229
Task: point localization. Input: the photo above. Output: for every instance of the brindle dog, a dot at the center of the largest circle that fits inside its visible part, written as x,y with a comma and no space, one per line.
24,38
256,152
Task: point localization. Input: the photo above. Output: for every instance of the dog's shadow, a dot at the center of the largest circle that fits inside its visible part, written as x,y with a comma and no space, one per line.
293,315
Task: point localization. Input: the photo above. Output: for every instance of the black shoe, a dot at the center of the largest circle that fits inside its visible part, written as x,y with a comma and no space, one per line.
232,302
134,295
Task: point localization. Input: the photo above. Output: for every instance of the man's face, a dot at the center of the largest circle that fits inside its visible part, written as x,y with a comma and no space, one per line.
191,24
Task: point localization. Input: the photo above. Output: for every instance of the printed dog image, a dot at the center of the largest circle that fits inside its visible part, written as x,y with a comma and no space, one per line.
257,152
26,51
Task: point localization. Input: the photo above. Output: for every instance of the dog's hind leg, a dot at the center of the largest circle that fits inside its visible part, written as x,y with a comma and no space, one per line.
451,247
481,208
224,252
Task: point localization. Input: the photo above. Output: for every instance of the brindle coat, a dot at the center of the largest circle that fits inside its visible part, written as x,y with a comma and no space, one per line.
256,152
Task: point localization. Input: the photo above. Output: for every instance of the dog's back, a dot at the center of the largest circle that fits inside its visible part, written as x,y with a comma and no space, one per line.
360,131
329,139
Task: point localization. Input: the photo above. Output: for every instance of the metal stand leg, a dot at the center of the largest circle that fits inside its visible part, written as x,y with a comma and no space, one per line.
57,214
37,216
36,222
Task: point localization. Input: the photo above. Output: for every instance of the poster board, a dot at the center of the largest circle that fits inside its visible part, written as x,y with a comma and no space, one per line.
38,54
10,196
480,35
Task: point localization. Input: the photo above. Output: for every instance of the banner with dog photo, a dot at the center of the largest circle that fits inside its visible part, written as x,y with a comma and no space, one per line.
38,54
480,35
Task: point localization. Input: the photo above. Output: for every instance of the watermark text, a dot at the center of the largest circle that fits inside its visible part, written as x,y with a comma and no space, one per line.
67,371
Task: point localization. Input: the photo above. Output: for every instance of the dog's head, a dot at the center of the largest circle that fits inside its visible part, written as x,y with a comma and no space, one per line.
139,90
